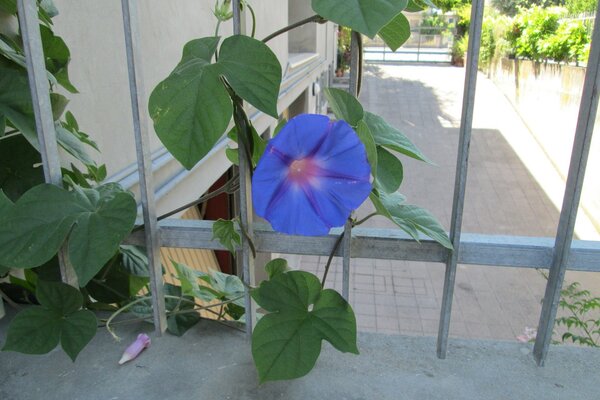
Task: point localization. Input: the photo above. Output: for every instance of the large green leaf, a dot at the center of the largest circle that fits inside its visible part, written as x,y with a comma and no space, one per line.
389,171
189,283
15,102
39,329
95,220
134,260
387,136
258,147
287,342
178,324
414,6
410,218
72,144
276,266
224,231
191,110
77,330
8,6
114,283
20,166
5,202
8,49
229,286
57,296
203,48
396,32
344,106
34,330
364,16
252,70
57,56
364,133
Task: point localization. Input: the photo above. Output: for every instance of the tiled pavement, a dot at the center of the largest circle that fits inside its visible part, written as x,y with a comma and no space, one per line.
502,198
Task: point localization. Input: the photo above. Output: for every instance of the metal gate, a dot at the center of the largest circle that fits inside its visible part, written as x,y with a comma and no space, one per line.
427,44
556,254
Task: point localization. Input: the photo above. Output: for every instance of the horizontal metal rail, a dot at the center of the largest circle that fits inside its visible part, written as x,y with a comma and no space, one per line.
389,244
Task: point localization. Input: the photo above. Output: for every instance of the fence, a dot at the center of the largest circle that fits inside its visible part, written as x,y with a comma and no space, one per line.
426,44
556,254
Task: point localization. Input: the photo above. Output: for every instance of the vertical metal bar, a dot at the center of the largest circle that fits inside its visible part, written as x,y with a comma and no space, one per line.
419,45
42,109
355,71
40,90
245,203
144,161
568,214
460,181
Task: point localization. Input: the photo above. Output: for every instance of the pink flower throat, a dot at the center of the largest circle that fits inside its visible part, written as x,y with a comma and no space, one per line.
301,171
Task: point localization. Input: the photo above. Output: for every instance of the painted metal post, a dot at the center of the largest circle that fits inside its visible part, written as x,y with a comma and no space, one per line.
355,71
419,45
568,214
42,109
245,204
460,182
144,161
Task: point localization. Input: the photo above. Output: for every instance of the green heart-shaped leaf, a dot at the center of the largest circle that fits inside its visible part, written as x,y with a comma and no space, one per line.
96,220
57,296
38,329
364,133
189,283
364,16
389,171
410,218
344,106
134,260
191,110
20,167
34,330
77,330
396,32
287,342
387,136
276,266
252,70
15,102
224,231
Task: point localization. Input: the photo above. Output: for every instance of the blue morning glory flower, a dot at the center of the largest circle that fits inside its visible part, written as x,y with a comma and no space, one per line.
311,176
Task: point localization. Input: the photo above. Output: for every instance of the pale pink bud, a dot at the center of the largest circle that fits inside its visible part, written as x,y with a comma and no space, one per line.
528,334
135,348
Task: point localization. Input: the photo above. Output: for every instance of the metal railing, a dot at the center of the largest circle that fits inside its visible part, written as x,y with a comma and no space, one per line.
431,44
556,254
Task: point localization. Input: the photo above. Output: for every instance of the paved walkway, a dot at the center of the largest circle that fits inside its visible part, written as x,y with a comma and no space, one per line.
502,197
212,362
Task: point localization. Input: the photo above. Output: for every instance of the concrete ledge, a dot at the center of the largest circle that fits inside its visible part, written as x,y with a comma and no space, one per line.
214,362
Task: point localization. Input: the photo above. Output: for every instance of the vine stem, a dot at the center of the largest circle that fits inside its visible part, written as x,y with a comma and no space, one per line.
9,301
330,259
10,134
364,219
253,19
167,296
314,18
231,186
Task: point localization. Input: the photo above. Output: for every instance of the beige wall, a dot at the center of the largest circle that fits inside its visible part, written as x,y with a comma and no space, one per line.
547,97
93,31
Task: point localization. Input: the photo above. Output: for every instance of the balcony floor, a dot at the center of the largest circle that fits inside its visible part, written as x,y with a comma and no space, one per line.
214,362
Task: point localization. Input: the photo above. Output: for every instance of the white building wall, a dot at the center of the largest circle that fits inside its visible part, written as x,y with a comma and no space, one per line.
94,33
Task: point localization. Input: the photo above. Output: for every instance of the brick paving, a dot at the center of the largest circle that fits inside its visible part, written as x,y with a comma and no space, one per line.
400,297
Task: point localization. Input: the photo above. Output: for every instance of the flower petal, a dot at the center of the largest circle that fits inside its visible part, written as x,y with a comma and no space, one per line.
301,135
294,214
311,176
